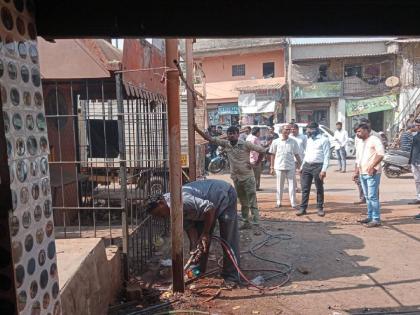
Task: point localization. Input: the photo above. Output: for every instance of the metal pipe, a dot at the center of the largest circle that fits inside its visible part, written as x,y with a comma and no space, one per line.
190,105
289,79
123,173
175,171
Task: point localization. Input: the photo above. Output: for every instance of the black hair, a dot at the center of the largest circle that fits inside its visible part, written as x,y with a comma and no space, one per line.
339,123
255,130
232,129
312,125
364,126
295,126
220,127
364,121
152,202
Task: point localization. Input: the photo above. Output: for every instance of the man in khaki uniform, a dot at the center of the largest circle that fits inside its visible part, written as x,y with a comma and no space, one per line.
241,170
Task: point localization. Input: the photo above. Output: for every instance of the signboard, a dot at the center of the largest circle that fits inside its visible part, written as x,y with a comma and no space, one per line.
250,104
228,109
184,160
317,90
371,105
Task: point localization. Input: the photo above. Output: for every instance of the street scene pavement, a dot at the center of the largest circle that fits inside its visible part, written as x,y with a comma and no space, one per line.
339,266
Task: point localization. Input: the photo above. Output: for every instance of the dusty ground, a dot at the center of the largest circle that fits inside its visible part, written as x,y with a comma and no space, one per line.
339,266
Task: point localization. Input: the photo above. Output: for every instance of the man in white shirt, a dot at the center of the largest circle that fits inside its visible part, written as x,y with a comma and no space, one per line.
314,167
369,154
341,138
255,158
284,151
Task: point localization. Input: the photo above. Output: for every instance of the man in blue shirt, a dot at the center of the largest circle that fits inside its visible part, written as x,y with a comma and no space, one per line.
204,203
314,167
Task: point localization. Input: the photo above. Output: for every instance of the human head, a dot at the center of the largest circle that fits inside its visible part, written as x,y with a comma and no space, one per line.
256,131
233,133
293,121
270,129
156,205
417,122
362,131
339,125
285,131
364,121
312,129
247,130
295,129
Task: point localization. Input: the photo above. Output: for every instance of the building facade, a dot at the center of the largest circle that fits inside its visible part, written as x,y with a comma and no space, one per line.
243,80
343,79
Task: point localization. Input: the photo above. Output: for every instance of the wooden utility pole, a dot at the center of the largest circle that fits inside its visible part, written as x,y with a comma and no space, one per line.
289,81
191,115
175,170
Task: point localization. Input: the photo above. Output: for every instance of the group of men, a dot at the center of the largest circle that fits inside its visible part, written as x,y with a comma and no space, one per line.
208,201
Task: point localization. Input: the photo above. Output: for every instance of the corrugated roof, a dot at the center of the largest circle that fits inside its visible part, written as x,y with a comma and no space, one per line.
229,90
221,44
77,58
335,40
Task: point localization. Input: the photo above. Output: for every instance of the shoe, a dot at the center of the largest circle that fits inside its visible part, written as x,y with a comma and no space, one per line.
300,212
372,224
360,202
417,217
364,221
298,190
415,202
295,207
259,189
321,212
229,285
278,206
337,170
343,171
246,226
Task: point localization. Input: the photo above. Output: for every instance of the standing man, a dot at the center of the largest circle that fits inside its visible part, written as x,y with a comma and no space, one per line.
406,139
415,163
220,130
341,138
204,203
245,134
254,156
284,151
369,154
314,167
241,170
301,140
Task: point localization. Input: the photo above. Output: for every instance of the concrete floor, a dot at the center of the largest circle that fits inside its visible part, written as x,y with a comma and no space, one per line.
351,269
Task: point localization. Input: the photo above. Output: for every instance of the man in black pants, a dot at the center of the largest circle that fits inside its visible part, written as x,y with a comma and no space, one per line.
314,167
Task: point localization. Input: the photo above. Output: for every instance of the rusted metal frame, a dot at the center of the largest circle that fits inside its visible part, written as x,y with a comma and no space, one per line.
123,173
175,171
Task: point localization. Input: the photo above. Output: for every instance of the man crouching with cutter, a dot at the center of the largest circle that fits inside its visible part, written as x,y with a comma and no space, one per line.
204,202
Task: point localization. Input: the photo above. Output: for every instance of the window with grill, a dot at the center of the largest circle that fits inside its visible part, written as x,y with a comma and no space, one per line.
268,70
238,70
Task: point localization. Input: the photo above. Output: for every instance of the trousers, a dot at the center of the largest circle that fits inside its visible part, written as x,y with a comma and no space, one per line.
311,172
416,173
370,185
341,156
290,176
257,168
247,194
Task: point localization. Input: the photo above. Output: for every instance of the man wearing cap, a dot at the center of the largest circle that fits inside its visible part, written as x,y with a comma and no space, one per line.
204,203
314,167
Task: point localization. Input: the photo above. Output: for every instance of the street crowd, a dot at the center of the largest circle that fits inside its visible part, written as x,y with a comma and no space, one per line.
299,159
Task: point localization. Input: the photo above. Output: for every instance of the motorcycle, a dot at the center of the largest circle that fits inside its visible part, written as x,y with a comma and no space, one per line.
219,163
395,163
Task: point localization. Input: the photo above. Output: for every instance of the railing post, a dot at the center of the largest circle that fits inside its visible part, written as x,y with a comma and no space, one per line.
123,173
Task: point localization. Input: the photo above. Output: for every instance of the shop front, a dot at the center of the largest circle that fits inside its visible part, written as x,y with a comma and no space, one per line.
260,108
317,102
228,114
379,110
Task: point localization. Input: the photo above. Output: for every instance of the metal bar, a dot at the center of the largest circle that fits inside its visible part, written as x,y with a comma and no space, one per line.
192,167
175,168
123,172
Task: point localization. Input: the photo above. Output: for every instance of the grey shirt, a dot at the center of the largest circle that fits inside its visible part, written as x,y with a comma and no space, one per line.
201,196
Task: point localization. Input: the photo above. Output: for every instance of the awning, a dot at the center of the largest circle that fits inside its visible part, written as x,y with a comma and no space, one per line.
370,105
250,104
138,92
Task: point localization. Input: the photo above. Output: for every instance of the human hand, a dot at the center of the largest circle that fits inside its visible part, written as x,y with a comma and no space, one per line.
371,170
272,171
355,176
322,175
203,243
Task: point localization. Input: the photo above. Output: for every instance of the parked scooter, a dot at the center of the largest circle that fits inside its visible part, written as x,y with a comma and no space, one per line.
395,163
219,163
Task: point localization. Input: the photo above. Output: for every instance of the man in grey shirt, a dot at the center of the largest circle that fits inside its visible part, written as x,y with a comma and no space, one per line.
241,170
204,203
